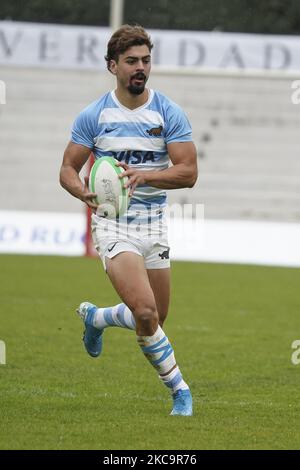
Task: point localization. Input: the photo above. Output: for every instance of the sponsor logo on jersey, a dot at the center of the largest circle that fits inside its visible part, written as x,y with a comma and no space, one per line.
107,130
135,157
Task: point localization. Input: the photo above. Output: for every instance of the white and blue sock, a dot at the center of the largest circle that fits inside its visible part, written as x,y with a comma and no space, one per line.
119,315
156,348
160,354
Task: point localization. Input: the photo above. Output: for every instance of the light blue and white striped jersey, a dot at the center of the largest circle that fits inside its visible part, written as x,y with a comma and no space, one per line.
138,137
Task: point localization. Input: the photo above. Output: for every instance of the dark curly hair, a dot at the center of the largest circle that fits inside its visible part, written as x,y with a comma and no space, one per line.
124,38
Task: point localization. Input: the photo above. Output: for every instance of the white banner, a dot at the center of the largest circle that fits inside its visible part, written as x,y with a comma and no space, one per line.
222,241
45,233
62,46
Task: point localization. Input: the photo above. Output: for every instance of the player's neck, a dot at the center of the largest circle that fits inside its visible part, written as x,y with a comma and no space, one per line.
131,101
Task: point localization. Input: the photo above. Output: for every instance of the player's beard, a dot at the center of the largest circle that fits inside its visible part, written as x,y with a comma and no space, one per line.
137,89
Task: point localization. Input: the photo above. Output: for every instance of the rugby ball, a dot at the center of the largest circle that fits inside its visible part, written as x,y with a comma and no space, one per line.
104,181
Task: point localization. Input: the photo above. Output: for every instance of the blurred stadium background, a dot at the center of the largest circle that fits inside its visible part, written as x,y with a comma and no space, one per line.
237,90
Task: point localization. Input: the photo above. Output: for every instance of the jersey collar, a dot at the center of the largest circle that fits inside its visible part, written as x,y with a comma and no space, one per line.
120,105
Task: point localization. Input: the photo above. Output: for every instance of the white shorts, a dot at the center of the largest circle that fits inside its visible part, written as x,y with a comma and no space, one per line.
147,240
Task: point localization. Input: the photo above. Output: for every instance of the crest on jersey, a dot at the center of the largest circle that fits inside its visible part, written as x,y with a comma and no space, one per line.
156,131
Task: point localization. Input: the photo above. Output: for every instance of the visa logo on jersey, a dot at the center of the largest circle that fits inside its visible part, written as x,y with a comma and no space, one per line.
134,157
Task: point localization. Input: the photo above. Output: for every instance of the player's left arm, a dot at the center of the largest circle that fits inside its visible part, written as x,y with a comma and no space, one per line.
183,173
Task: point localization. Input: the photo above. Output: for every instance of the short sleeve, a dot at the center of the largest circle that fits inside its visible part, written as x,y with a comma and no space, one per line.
178,128
82,130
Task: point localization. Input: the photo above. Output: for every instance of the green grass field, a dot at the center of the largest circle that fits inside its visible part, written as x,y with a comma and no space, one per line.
231,327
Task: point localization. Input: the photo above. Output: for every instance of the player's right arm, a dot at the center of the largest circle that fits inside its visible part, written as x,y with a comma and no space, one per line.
75,157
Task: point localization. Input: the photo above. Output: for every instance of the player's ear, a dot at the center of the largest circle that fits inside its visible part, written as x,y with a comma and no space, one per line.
113,67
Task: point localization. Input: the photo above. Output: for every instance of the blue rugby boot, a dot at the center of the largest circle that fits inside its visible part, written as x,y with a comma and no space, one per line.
182,403
92,337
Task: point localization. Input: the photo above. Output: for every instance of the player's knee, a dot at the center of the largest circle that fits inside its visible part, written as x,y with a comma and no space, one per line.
146,314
